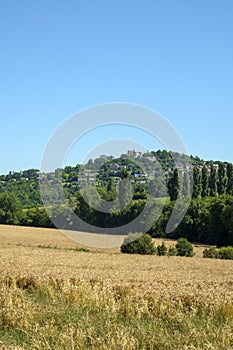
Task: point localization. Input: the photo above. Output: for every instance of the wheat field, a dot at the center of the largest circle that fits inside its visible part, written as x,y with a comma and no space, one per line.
53,295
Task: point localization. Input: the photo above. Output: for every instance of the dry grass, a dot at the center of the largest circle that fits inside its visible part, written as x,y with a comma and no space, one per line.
148,290
20,255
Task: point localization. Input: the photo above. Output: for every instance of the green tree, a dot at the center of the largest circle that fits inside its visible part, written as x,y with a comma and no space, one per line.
186,185
226,221
205,182
158,188
162,249
230,178
85,205
226,253
10,208
111,190
125,190
211,253
36,217
197,182
222,179
172,251
213,181
138,243
173,185
184,247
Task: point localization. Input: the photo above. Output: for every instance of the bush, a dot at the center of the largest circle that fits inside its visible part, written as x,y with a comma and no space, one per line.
226,253
138,243
184,247
172,251
211,253
162,249
222,253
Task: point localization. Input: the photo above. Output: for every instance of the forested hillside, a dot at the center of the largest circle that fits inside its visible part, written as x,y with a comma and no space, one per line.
208,220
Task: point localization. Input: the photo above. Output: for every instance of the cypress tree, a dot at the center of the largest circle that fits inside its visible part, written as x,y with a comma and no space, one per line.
197,182
173,185
230,178
213,181
186,185
205,182
222,179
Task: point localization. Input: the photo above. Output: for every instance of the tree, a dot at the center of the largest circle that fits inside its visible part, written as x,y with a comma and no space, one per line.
85,205
184,247
205,182
162,249
37,217
211,253
125,190
138,243
213,181
186,185
222,179
10,208
173,185
197,182
111,190
158,188
230,178
227,221
216,232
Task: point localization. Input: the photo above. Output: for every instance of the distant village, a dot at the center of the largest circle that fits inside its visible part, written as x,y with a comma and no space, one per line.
90,175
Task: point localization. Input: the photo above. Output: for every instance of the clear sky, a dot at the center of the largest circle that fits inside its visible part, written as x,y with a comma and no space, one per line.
58,57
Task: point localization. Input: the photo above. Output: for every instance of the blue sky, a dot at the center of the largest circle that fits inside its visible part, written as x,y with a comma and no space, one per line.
59,57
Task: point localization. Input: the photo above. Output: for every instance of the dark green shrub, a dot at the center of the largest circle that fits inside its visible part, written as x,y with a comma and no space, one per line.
162,249
226,253
221,253
211,253
172,251
184,247
138,243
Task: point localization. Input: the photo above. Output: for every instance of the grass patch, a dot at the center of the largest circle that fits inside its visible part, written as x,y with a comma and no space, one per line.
55,247
75,249
78,314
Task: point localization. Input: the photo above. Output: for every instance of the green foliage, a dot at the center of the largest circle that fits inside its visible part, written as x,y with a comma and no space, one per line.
211,253
208,219
205,182
162,249
184,247
222,179
197,182
226,253
230,178
186,189
10,208
173,185
138,243
111,190
213,181
172,251
222,253
36,217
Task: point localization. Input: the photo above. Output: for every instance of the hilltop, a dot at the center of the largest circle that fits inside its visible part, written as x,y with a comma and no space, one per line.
25,184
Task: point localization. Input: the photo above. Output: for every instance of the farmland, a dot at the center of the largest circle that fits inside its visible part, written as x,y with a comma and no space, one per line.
53,295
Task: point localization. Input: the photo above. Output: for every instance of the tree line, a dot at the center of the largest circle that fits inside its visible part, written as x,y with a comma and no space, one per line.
204,182
209,218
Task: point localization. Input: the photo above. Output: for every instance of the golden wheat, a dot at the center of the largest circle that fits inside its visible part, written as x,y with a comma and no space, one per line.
167,277
89,298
